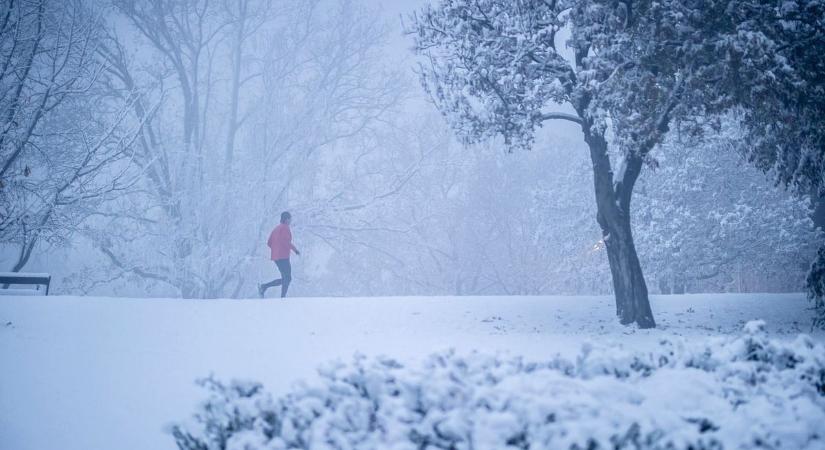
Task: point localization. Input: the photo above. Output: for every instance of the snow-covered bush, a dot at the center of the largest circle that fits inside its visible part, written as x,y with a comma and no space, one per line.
738,392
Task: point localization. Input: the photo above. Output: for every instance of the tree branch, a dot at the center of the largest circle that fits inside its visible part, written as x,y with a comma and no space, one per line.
562,116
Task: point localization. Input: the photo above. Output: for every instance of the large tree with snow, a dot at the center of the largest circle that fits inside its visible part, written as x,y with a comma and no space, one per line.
763,60
783,96
497,68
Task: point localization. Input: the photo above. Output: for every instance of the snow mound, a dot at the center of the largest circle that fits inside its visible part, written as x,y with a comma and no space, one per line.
741,392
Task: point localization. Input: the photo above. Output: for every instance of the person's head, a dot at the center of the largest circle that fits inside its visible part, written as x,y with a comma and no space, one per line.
286,217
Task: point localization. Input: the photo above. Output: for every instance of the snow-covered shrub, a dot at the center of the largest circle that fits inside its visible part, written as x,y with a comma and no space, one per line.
738,392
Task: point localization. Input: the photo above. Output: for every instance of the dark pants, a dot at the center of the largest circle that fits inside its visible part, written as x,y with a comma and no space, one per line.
286,276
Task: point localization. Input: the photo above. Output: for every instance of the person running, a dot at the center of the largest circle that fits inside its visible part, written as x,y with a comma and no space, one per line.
280,241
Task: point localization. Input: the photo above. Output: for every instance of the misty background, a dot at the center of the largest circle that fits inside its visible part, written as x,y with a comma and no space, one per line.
154,145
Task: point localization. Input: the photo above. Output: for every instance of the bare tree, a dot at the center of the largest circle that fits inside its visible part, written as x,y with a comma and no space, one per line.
65,150
253,95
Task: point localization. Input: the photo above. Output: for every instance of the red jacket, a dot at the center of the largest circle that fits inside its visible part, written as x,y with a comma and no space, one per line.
280,241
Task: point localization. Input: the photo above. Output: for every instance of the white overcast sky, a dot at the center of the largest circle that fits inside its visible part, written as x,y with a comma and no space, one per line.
392,11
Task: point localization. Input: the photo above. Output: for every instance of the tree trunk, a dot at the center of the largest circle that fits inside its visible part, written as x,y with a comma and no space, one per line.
678,285
23,259
25,254
664,287
818,209
632,304
613,206
237,53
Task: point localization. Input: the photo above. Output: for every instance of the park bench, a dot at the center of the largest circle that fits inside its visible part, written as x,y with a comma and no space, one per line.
9,278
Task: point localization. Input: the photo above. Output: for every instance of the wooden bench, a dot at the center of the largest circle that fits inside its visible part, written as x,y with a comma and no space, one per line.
39,279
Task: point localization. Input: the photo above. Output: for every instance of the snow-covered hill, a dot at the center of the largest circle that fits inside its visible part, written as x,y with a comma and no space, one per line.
102,373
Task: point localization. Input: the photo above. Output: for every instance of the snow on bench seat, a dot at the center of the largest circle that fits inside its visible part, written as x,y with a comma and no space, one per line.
25,274
7,278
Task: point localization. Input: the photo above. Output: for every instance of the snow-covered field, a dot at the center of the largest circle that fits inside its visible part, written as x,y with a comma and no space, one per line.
105,373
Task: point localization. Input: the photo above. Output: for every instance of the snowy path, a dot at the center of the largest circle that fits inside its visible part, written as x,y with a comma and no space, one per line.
102,373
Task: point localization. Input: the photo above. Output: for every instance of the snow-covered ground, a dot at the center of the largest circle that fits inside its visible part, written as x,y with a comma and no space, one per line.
103,373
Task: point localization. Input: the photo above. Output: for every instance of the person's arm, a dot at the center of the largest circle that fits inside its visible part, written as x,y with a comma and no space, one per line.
289,239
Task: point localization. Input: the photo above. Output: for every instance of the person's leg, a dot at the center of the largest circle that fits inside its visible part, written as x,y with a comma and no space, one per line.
277,282
272,283
286,275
